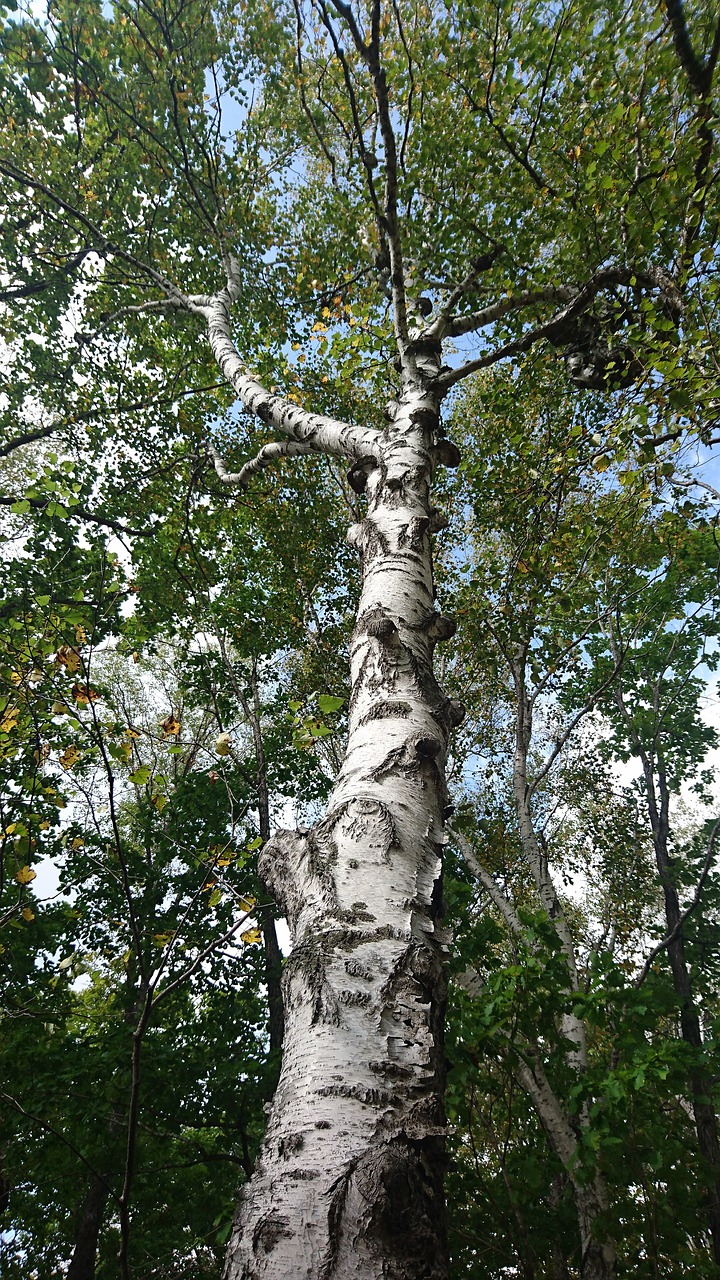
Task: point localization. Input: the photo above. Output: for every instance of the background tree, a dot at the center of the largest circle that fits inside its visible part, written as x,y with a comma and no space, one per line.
567,557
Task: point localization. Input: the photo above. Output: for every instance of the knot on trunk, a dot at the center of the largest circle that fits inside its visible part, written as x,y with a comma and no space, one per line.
294,871
355,537
446,454
438,626
437,520
456,713
377,624
425,418
386,1212
428,748
357,476
422,749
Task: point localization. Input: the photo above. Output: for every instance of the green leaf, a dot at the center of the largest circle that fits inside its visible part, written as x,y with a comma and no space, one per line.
328,704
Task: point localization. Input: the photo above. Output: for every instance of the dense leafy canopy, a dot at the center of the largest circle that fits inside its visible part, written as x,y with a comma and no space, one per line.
172,657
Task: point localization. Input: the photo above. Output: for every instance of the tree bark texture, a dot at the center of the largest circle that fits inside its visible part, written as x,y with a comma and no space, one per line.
349,1182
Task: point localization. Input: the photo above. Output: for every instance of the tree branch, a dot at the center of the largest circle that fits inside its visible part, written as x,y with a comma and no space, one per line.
653,278
497,897
29,290
675,933
266,456
320,433
504,306
370,53
40,504
699,74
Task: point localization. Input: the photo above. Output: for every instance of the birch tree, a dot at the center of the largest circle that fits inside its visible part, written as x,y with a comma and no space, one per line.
404,176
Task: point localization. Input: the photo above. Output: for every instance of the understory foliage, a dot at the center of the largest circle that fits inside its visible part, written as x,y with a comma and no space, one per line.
173,653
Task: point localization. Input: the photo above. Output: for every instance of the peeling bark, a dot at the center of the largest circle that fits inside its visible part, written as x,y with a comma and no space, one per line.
349,1181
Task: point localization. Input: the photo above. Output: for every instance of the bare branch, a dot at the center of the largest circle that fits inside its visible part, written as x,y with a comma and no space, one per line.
266,456
322,434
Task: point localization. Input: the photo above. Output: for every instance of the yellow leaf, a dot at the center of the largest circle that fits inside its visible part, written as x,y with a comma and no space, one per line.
27,914
9,720
80,635
82,693
222,744
69,757
170,726
250,937
25,875
67,657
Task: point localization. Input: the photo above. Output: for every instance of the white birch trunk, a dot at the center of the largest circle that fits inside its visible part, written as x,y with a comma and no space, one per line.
349,1182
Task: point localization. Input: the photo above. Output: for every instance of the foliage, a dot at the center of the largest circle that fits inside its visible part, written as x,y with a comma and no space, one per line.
152,627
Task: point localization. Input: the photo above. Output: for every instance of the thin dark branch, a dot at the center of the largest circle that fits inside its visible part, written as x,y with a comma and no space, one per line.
29,290
50,1128
699,75
675,933
41,504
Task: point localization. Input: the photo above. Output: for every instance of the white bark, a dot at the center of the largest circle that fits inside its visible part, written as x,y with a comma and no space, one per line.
315,430
350,1178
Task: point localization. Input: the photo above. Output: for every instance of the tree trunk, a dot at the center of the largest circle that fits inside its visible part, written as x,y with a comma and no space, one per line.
703,1109
704,1113
598,1257
273,956
89,1222
349,1181
598,1252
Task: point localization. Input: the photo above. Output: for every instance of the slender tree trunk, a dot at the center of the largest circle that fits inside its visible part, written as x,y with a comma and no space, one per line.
89,1222
273,955
704,1115
598,1253
349,1182
703,1109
